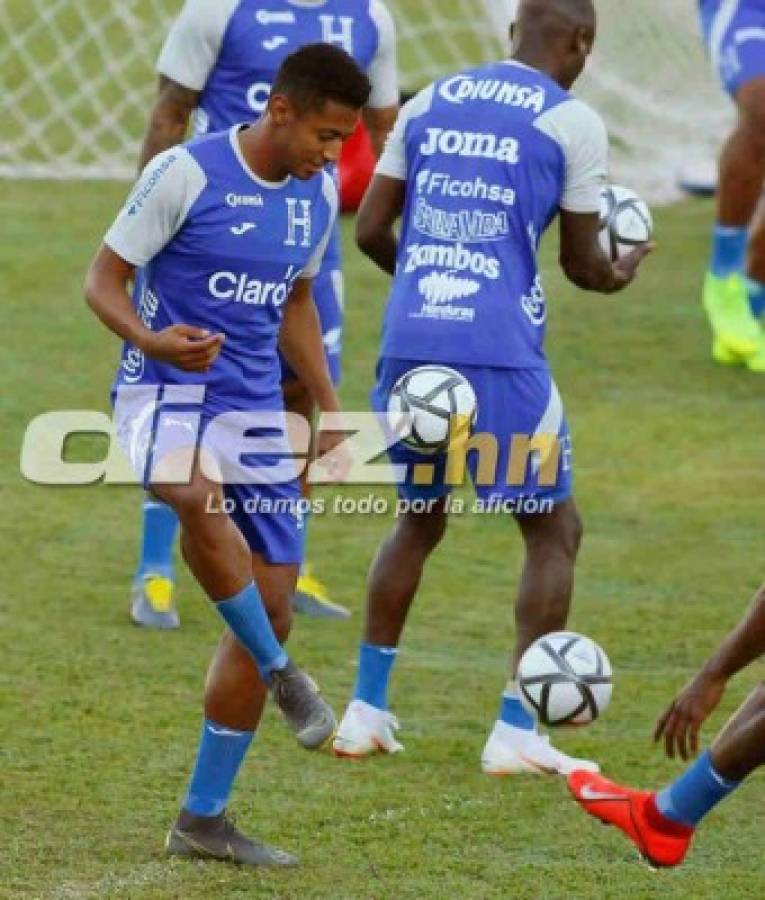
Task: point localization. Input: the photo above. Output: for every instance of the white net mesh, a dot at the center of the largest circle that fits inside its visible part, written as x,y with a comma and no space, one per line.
77,79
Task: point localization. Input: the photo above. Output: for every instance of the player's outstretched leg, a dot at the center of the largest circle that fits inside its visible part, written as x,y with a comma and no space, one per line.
551,540
151,597
737,335
662,824
218,556
368,726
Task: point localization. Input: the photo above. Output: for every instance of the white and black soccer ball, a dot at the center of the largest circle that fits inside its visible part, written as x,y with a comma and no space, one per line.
565,679
424,403
625,221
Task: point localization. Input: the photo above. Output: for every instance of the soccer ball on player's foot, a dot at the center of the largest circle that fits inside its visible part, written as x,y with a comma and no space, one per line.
625,221
430,405
565,679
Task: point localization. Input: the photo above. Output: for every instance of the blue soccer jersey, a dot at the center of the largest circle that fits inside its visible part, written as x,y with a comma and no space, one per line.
489,156
220,248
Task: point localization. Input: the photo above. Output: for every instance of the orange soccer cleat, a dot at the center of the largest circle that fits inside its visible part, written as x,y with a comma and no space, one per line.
660,840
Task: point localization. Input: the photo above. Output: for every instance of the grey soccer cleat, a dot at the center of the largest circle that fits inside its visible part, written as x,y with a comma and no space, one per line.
306,712
151,602
217,838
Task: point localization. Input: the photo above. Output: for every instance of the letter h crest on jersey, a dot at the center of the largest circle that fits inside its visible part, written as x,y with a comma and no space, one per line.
298,223
338,30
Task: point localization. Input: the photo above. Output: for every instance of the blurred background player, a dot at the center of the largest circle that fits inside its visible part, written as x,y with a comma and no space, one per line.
214,298
735,37
218,64
662,824
507,145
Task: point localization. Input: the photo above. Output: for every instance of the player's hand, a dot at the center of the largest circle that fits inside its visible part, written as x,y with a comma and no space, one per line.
185,347
332,454
626,268
682,720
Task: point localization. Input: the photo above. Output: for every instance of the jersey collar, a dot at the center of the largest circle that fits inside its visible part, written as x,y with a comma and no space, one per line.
234,141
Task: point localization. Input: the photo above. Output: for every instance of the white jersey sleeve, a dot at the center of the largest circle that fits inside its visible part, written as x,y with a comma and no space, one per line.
193,43
392,161
383,70
157,206
582,136
329,191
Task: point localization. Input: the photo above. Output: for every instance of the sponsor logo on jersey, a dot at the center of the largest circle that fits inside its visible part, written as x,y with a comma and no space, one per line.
273,43
257,96
443,287
464,226
133,361
474,144
235,200
239,230
242,288
454,257
271,17
533,303
139,198
442,184
460,88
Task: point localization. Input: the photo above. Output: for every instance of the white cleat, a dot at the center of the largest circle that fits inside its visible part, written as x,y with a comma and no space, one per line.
516,751
365,730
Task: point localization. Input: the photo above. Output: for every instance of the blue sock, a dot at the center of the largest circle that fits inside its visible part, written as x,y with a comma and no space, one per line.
690,797
220,754
160,525
512,712
728,250
375,664
247,618
756,291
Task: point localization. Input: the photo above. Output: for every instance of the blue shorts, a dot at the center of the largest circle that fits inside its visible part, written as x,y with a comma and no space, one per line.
261,490
328,296
734,32
520,403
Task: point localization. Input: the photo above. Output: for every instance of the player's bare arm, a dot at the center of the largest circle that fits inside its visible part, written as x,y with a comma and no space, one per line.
300,342
184,346
382,205
681,722
169,119
583,260
378,123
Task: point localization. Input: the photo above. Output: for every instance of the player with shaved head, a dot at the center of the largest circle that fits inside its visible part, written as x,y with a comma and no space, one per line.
508,146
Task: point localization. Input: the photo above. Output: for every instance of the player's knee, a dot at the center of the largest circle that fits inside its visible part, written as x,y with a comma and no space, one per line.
573,532
425,528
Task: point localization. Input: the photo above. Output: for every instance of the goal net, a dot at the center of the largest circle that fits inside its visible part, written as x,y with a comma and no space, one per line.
77,79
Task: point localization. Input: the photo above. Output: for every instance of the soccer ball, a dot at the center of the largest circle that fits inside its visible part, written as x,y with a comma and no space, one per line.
565,679
625,221
423,402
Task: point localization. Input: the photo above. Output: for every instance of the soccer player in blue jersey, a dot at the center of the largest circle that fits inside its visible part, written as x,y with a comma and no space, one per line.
734,32
217,66
227,231
662,824
477,167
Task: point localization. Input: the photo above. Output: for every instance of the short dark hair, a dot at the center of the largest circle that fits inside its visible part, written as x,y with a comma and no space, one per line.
317,73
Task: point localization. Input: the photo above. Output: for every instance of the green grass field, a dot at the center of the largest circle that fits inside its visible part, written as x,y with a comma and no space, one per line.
99,721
